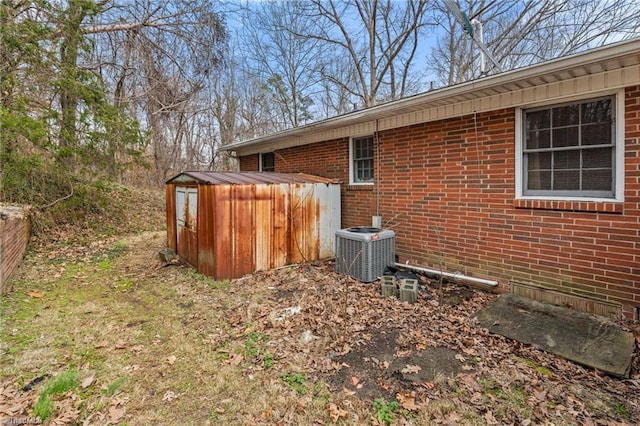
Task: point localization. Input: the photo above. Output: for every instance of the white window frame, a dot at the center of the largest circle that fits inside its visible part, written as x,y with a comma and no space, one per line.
261,166
618,141
352,159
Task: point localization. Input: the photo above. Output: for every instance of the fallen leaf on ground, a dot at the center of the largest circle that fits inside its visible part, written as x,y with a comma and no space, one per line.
337,413
236,359
490,419
35,294
169,396
302,403
171,359
411,369
116,414
408,401
347,391
87,381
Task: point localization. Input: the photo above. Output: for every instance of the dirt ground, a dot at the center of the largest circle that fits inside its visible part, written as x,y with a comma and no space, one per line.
157,344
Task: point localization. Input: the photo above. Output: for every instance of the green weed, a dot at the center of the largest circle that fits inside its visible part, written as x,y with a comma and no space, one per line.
268,360
63,382
220,285
115,386
386,411
19,342
222,355
321,391
44,407
197,276
295,381
124,284
255,344
538,368
105,264
111,253
492,387
91,355
513,395
620,409
254,348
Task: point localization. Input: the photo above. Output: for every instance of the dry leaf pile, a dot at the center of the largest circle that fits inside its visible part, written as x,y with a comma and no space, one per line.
353,329
296,345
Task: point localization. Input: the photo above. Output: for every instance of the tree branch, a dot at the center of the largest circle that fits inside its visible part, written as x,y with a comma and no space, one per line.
53,203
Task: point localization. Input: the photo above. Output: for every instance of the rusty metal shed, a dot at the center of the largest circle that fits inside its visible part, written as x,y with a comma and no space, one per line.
228,224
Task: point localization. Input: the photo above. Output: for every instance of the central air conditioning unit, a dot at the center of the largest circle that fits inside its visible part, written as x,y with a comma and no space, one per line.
364,252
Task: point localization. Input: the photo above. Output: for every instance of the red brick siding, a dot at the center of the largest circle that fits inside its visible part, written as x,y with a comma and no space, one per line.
447,189
326,159
250,163
14,237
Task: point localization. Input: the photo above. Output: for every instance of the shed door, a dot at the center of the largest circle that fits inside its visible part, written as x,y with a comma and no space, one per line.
187,223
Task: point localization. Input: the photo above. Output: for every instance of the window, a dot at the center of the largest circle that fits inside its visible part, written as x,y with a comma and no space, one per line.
361,153
267,162
569,150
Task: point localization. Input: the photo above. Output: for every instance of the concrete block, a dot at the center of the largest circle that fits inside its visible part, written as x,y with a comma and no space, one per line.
167,255
409,290
389,286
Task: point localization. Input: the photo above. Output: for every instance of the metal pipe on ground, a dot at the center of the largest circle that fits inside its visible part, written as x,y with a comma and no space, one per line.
457,276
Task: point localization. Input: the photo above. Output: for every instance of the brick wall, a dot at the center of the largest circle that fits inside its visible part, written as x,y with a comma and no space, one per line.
447,189
331,160
250,163
14,237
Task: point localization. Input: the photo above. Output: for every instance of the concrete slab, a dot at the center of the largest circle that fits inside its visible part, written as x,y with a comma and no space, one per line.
586,339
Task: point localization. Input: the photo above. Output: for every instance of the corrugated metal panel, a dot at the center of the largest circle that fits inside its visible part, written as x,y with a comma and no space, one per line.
206,230
244,224
171,217
304,219
264,200
245,178
280,218
242,228
329,218
222,231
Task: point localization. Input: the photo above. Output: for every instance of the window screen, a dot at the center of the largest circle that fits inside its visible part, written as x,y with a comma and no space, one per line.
268,162
570,149
362,155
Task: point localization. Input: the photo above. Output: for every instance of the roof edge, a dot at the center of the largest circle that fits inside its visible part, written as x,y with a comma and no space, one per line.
603,53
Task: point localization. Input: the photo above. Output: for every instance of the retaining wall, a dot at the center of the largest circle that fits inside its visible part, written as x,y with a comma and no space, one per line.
14,237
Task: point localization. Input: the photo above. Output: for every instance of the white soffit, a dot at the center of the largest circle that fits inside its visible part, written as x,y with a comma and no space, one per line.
606,69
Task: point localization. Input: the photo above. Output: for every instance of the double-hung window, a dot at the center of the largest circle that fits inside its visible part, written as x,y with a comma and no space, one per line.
361,156
268,162
569,150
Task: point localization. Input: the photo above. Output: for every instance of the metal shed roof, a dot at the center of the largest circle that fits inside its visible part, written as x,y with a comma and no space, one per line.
246,178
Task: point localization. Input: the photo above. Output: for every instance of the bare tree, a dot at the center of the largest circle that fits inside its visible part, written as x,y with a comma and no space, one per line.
159,56
379,38
286,62
335,99
519,33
